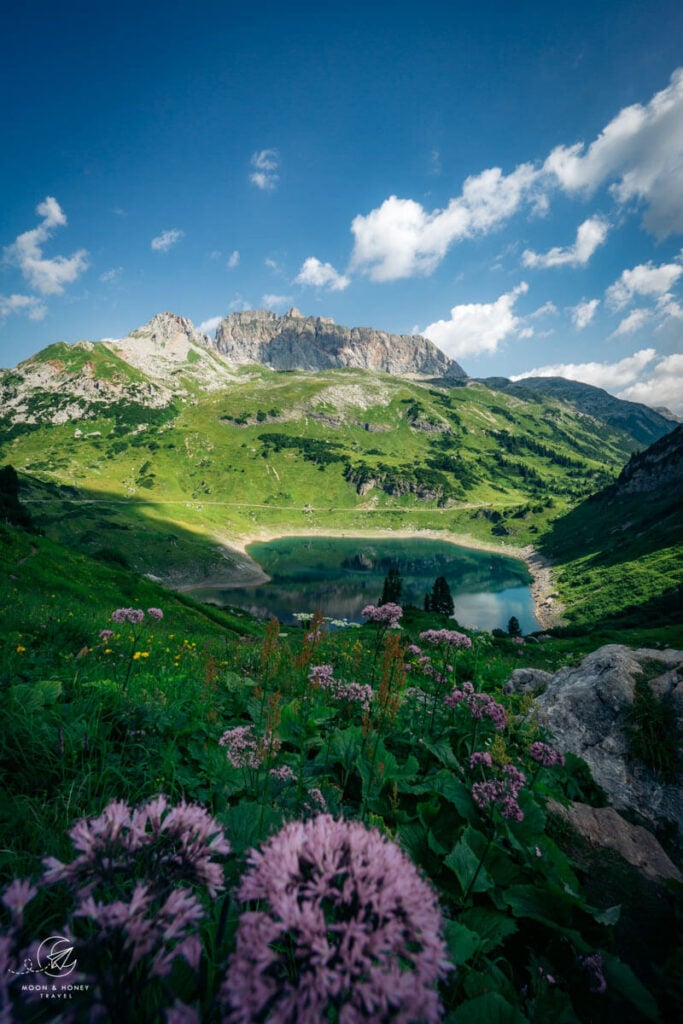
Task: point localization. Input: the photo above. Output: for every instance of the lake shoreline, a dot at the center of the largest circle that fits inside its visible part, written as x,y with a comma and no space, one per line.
247,573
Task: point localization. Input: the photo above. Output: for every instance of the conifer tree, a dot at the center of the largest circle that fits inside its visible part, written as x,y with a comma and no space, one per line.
392,589
514,628
440,599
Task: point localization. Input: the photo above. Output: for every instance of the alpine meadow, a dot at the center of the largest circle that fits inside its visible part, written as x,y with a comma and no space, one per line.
342,666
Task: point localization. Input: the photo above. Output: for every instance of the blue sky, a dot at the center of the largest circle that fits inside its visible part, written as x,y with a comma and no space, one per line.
505,178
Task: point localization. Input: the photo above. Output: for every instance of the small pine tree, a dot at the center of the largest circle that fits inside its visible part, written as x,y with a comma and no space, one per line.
392,589
514,628
440,600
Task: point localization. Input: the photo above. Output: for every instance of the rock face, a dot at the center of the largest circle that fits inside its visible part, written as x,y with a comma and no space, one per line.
659,467
587,711
296,342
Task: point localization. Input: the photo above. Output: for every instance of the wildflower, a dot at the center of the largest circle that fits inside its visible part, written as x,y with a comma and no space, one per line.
481,757
501,793
479,705
386,614
593,964
20,649
545,754
322,676
414,649
132,615
16,896
156,613
244,749
106,633
449,637
177,842
283,773
344,925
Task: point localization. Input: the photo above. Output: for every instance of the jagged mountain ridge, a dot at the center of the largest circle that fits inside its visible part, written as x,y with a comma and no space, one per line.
642,422
658,469
297,342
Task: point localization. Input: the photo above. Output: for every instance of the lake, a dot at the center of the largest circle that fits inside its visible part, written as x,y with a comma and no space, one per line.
340,575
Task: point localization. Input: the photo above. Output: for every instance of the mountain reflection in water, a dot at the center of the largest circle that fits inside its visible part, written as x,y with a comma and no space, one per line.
340,575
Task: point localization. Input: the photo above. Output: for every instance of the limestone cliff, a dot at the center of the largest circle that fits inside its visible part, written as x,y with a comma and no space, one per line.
296,342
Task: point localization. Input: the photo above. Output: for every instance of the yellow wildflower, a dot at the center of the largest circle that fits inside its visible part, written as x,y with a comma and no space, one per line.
20,648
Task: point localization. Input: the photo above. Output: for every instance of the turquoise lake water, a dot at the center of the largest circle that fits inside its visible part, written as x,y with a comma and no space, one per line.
340,575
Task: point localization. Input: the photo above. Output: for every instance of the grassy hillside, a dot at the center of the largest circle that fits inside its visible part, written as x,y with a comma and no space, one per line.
164,490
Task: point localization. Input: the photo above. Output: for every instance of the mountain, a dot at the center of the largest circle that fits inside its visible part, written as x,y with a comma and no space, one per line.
644,424
296,342
619,551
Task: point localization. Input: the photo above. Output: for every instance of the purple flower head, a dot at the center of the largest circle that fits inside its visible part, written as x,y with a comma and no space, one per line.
16,896
502,793
106,633
545,754
385,614
156,613
339,920
244,749
171,843
481,757
414,649
479,705
593,964
132,615
322,676
448,637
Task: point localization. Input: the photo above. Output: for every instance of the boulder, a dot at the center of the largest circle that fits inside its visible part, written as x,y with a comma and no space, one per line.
586,709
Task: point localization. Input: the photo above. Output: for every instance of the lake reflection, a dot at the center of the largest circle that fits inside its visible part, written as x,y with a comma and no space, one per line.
340,575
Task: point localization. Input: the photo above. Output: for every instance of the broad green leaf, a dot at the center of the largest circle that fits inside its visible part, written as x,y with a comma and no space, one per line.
465,864
457,793
492,926
462,943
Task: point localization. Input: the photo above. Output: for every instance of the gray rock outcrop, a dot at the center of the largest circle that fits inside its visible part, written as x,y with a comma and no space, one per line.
296,342
586,709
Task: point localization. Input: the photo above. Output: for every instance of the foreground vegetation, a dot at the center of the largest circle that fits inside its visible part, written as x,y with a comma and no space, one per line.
448,871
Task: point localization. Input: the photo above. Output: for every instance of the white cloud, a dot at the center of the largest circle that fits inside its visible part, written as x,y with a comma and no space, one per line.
210,325
590,235
274,301
645,279
477,327
601,375
47,276
265,164
166,240
583,313
400,238
321,275
547,309
32,307
111,275
663,388
273,265
233,259
641,151
633,322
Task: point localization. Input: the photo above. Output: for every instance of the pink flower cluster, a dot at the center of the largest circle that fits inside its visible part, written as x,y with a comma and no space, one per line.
385,614
244,749
545,754
447,637
480,705
593,964
502,793
322,676
338,924
134,615
481,758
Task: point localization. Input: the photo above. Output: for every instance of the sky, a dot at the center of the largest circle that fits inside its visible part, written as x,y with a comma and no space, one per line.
506,179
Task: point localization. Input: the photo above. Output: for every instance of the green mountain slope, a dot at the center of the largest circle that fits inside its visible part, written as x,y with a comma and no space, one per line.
154,453
620,552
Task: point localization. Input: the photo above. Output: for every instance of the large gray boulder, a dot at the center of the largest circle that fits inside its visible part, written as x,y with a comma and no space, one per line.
586,709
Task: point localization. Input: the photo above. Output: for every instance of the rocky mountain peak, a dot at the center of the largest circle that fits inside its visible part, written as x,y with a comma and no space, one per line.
168,327
297,342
